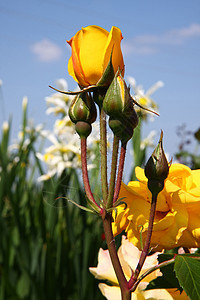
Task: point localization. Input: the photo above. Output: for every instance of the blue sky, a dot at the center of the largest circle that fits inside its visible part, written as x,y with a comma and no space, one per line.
161,42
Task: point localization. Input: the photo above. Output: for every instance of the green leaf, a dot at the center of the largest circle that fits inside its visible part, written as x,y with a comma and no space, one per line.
23,285
188,273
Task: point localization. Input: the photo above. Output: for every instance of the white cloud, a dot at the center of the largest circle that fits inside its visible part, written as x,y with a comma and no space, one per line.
46,51
132,47
148,44
179,36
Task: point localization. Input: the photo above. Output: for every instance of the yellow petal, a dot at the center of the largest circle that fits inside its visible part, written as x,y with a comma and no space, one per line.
196,177
91,52
162,204
139,172
157,294
113,45
180,175
137,188
75,43
71,69
104,269
176,295
110,292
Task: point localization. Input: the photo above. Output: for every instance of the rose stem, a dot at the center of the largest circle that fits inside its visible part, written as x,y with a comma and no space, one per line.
107,217
85,171
154,268
107,220
103,147
113,172
145,250
120,171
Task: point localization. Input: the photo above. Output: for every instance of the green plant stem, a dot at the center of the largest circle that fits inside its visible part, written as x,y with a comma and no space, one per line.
120,171
107,224
103,147
113,171
85,171
145,250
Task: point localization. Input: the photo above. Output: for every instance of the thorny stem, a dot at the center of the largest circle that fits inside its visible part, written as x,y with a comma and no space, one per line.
107,220
113,172
145,250
158,266
103,145
120,171
154,268
85,171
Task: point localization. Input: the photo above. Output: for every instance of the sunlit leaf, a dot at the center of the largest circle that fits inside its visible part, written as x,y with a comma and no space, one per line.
188,273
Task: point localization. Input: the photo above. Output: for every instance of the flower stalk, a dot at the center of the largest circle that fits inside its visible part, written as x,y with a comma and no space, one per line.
103,150
120,171
86,183
113,172
145,250
107,220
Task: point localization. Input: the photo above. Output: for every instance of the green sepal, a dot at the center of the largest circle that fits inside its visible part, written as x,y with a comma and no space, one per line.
120,202
83,207
87,89
141,239
111,209
142,107
93,206
117,203
108,75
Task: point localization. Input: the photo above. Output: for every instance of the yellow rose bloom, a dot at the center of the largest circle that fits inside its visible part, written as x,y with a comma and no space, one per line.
177,218
91,51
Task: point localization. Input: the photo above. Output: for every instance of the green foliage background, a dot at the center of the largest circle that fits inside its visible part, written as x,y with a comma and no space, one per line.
46,243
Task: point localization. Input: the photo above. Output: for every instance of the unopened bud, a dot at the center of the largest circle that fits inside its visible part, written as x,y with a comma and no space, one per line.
83,129
121,129
118,105
82,108
157,168
117,97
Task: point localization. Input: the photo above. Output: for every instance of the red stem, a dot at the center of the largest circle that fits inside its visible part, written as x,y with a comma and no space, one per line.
145,250
107,224
85,172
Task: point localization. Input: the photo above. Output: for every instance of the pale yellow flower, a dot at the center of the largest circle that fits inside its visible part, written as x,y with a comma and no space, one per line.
129,256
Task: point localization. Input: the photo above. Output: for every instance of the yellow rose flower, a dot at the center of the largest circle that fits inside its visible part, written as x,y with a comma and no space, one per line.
177,218
129,256
91,51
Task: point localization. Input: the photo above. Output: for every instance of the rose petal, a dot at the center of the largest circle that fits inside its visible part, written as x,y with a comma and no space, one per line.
113,45
93,42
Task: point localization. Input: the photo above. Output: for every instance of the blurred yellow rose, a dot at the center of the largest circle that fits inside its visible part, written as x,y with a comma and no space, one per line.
129,256
91,50
177,218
